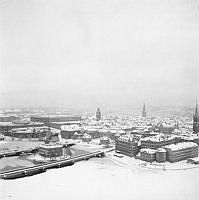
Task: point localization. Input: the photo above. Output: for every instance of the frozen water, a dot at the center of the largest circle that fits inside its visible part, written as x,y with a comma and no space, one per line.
102,179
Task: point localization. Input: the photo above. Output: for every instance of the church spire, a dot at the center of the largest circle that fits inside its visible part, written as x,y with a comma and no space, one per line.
98,114
196,119
144,111
196,108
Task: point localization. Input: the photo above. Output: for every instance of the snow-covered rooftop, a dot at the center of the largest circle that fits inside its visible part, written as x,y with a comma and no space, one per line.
161,150
126,138
158,138
149,151
70,127
86,136
104,138
50,146
182,145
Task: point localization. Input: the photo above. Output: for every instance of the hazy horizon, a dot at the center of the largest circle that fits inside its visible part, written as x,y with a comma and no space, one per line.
96,53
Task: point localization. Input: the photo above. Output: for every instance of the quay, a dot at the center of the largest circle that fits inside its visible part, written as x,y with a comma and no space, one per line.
29,171
17,152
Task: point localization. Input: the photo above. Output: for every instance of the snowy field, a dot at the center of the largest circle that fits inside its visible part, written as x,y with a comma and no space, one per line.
102,179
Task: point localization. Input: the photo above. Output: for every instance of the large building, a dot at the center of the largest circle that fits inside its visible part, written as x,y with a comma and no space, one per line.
55,118
48,150
196,119
98,114
181,151
127,145
32,132
157,141
144,111
54,150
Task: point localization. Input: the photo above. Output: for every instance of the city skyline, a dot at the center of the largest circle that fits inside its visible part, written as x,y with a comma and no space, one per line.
98,99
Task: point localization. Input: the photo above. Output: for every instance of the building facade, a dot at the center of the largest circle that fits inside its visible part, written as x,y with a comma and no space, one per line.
148,155
127,145
48,150
181,151
160,155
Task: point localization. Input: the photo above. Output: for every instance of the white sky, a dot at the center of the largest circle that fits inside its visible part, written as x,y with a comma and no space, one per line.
106,53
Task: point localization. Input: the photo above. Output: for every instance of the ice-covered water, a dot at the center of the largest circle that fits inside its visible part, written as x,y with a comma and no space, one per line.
101,179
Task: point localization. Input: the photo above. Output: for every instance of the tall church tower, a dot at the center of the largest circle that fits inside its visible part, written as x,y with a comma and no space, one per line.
144,111
196,119
98,114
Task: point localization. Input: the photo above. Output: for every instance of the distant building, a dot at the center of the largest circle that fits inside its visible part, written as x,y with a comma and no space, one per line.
196,119
144,111
93,132
86,138
67,123
54,150
8,118
167,128
68,131
127,145
98,114
191,138
32,132
104,141
181,151
6,127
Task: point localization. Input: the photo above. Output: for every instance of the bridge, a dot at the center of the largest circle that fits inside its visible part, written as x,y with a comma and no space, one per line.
29,171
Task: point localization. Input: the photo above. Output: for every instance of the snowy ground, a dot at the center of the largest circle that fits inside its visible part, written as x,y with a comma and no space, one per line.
102,179
13,163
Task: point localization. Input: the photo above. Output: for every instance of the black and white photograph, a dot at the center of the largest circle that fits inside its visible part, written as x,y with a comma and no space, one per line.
99,99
